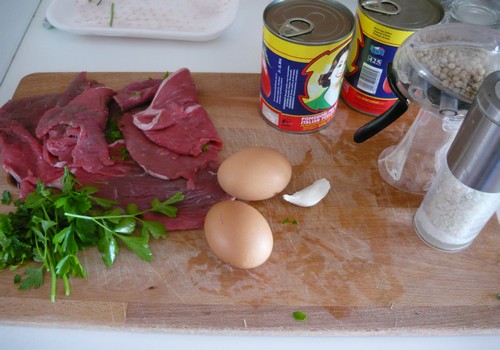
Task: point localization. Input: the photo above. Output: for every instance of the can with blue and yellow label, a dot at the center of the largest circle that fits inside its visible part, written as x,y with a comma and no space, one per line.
381,27
305,48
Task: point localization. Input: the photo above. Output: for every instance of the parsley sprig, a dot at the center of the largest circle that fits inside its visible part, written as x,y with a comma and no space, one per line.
51,226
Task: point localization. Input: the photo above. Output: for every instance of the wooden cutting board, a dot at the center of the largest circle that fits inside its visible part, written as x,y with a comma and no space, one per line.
352,263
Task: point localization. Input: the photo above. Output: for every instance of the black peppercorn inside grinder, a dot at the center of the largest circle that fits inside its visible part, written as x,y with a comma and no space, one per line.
441,68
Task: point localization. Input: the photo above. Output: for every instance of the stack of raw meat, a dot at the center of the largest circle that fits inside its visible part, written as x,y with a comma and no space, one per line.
170,144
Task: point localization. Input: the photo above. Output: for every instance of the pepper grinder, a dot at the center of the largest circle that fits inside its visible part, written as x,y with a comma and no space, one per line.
466,191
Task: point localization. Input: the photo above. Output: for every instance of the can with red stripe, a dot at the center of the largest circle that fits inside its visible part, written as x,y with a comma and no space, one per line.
381,27
305,47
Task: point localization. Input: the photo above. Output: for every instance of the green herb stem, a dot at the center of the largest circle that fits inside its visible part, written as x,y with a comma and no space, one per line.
96,218
67,290
53,275
112,17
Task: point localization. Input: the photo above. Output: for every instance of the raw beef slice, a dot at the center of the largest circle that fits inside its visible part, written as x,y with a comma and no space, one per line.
161,162
29,110
22,157
175,120
178,90
189,133
73,135
137,94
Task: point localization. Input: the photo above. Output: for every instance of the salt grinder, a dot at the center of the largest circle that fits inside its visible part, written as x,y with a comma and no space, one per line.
466,191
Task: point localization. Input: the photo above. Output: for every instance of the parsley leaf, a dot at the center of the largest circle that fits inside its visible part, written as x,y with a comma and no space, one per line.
6,197
34,278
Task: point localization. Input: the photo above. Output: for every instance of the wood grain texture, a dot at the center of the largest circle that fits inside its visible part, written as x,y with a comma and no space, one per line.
353,263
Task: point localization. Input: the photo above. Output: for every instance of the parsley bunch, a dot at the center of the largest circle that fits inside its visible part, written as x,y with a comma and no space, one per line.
51,226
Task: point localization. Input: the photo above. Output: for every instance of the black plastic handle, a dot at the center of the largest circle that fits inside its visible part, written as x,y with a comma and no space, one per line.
378,124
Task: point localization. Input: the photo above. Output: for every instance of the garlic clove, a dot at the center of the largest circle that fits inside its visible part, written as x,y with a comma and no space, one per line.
311,195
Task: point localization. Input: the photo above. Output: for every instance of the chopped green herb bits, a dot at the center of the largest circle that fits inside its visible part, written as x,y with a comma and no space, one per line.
299,316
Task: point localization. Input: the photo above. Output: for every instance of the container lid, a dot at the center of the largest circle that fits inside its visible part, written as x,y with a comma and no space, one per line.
479,12
313,22
175,20
408,15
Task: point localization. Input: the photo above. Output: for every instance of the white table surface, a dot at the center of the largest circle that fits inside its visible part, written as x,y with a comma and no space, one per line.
237,50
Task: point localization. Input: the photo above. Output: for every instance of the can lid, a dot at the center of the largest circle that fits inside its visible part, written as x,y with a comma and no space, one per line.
386,7
312,22
403,14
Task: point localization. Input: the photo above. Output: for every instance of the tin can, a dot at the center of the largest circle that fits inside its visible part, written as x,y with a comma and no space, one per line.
380,29
305,48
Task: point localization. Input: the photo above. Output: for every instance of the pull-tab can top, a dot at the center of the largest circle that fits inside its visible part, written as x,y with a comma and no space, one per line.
408,15
296,26
382,6
309,22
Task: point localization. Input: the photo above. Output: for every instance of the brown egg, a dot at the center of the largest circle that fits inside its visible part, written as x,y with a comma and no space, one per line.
238,234
255,173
